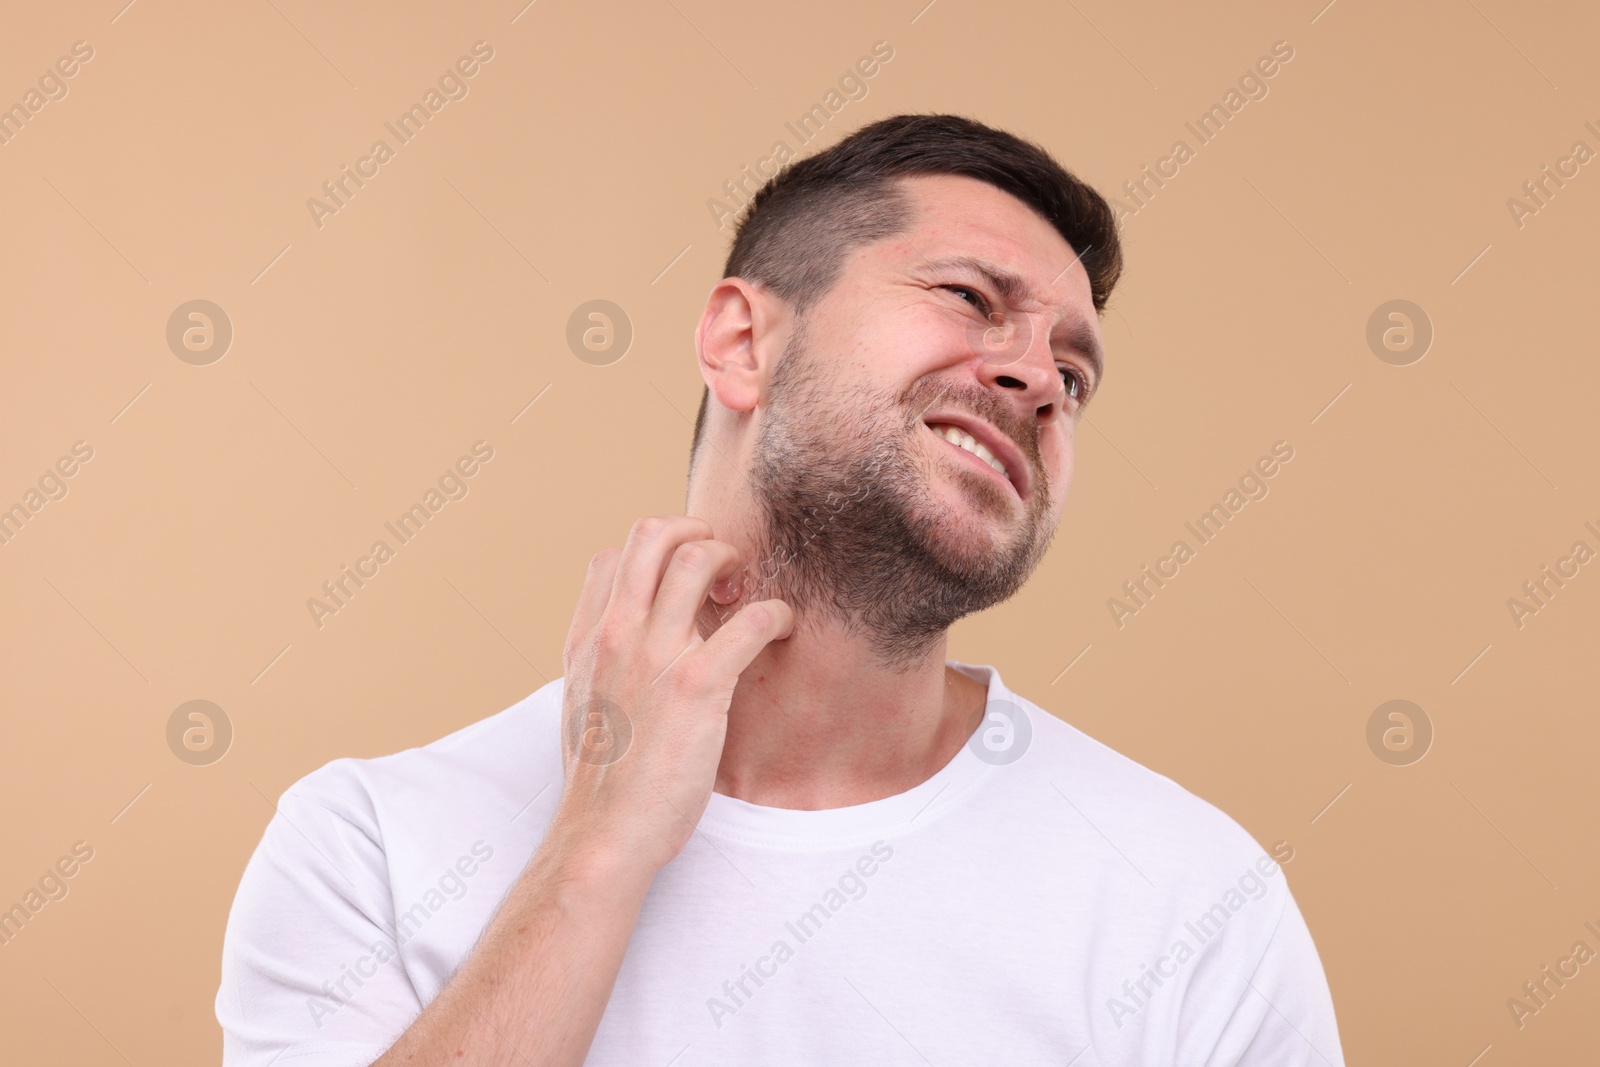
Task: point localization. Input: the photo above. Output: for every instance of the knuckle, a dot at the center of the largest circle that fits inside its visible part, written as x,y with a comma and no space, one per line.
691,677
608,636
650,527
694,554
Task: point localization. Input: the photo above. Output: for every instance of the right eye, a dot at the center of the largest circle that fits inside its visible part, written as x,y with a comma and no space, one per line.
981,304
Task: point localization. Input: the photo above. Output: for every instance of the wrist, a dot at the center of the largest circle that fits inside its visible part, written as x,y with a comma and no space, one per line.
593,859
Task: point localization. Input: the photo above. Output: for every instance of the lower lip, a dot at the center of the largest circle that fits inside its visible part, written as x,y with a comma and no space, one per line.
973,459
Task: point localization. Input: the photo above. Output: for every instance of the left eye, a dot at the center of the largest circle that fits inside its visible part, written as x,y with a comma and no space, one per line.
1077,384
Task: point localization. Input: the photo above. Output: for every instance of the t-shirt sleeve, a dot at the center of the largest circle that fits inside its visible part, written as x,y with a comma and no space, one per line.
310,972
1284,1016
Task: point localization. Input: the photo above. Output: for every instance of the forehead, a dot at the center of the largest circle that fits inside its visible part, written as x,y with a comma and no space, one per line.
959,216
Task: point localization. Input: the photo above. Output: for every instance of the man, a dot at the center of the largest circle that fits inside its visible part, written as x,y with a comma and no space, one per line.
761,819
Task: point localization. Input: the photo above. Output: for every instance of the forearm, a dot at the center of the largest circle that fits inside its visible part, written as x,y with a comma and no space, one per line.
533,989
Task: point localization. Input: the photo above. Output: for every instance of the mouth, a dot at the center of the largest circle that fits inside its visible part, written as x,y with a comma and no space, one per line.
983,447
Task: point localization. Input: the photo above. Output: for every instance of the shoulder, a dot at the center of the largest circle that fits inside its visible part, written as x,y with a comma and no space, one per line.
474,771
1177,885
364,861
1176,834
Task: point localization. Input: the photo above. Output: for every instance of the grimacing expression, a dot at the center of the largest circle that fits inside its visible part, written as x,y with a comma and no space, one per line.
870,513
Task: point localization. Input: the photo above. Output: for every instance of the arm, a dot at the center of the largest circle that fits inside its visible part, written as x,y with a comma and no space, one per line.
536,984
1285,1013
534,988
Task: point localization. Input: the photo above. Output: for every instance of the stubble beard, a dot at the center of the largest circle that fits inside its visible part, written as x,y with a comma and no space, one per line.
850,530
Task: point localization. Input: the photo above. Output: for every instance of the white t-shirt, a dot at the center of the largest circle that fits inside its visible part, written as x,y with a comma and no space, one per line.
1040,900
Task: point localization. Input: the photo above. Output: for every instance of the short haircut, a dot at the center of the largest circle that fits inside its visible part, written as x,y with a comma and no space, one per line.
795,233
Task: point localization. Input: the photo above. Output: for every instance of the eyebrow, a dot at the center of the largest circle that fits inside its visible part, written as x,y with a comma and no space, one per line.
1014,290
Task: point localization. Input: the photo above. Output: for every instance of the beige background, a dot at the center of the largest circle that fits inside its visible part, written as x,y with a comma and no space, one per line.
369,353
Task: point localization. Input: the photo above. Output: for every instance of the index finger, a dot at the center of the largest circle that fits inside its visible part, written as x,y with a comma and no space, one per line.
592,600
645,556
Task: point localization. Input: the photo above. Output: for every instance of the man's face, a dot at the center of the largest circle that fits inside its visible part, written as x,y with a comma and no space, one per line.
870,508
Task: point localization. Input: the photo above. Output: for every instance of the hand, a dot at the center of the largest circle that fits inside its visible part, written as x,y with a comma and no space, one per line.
645,707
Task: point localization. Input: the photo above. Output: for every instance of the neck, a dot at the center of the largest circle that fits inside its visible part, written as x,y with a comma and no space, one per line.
817,722
821,719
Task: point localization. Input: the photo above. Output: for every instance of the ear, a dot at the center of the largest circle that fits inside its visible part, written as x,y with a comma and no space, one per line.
738,342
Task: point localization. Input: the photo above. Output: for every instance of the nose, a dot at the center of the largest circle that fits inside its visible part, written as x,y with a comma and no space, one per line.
1015,357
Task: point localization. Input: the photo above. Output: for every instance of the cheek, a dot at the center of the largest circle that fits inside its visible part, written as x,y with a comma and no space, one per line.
1058,461
916,342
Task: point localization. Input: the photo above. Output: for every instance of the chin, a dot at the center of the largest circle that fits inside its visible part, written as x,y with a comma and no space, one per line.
981,502
975,531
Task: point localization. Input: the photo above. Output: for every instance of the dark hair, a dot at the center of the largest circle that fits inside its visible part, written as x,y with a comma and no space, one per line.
794,234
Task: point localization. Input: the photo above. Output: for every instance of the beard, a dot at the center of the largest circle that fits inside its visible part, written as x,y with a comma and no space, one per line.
850,527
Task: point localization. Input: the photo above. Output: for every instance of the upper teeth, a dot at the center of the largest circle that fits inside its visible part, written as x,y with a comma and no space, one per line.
962,439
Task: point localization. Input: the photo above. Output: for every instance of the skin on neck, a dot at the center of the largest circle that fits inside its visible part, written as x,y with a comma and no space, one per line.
858,704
